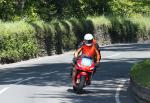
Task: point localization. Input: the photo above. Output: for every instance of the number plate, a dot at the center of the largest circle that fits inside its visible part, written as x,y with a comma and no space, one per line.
86,62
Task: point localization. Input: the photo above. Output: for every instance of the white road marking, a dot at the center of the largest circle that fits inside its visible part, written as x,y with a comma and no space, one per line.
119,88
3,90
6,88
113,55
116,96
33,78
48,73
25,80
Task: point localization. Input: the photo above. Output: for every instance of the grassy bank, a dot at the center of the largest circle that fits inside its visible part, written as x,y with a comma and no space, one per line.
140,73
24,40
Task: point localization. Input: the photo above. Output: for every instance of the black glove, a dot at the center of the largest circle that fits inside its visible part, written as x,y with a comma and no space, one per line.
97,64
74,60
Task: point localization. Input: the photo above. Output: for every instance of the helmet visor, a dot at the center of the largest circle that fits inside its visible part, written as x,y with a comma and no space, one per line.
88,41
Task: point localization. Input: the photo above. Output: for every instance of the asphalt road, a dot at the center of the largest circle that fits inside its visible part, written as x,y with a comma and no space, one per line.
47,79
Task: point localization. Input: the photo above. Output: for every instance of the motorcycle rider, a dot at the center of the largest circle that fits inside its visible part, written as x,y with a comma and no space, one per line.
94,41
88,48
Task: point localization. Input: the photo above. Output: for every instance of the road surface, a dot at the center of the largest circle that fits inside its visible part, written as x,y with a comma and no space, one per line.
47,79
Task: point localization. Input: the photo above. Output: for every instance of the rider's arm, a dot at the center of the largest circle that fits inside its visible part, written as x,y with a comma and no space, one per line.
77,52
97,46
98,56
80,45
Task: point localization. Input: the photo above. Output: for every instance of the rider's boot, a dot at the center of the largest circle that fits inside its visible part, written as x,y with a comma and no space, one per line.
74,72
89,81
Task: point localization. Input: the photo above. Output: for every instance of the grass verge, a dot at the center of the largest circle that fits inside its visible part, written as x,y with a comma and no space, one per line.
140,73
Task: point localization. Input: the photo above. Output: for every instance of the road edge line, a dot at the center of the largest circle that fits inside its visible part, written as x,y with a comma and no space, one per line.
118,90
3,90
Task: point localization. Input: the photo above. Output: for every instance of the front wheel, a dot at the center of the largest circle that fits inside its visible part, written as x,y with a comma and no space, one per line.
80,86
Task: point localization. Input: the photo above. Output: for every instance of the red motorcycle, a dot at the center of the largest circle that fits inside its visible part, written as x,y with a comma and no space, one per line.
85,68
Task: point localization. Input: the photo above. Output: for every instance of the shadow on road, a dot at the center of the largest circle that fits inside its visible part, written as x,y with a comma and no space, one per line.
103,87
104,84
59,74
127,47
38,75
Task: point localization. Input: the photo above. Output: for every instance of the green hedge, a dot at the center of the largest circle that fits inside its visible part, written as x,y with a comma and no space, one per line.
17,42
140,73
130,29
23,40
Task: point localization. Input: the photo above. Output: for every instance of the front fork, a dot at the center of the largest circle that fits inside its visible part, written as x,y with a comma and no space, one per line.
82,74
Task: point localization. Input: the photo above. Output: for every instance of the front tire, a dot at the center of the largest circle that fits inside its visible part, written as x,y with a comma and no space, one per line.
80,86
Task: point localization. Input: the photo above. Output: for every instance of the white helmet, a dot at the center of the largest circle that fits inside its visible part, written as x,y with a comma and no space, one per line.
88,38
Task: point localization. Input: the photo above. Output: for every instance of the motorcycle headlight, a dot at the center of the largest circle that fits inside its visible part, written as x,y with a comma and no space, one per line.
91,68
79,64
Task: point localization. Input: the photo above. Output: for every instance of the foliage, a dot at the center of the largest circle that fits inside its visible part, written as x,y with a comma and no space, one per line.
47,10
23,40
143,27
53,26
17,42
130,7
140,73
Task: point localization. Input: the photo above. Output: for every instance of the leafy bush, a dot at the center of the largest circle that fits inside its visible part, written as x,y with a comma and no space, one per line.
17,42
101,26
23,40
143,27
140,73
130,7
